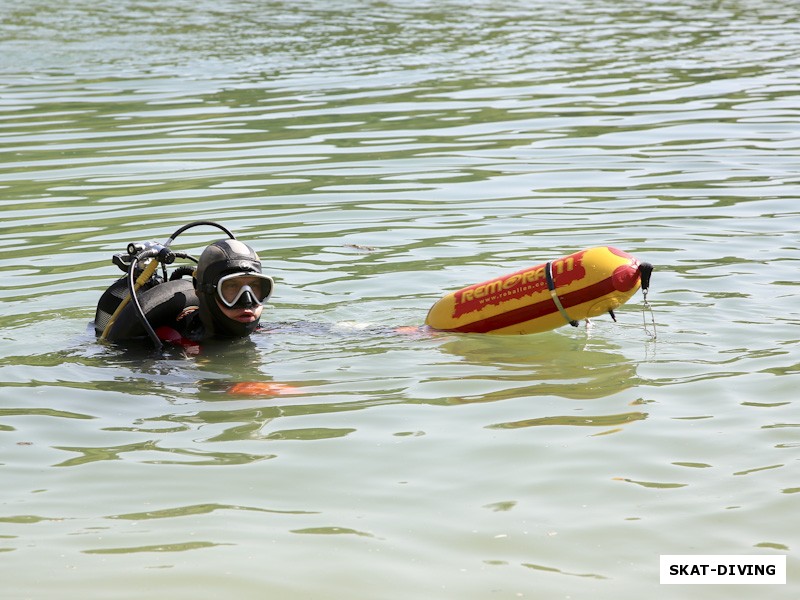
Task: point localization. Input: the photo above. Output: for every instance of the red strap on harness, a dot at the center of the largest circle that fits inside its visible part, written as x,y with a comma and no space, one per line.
169,335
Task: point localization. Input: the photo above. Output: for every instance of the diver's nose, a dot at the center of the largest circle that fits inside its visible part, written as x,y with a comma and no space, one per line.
249,300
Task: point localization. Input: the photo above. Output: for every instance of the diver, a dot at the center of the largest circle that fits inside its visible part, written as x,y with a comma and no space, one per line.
231,291
224,300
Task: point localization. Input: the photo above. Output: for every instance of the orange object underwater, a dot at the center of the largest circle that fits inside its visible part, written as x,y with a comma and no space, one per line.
579,286
261,388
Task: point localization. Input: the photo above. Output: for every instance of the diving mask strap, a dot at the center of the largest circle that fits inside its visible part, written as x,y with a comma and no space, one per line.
548,272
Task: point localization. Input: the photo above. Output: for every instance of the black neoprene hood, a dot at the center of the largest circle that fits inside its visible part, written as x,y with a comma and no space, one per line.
222,258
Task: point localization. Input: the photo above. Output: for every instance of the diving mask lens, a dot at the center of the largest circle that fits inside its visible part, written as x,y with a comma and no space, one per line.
244,289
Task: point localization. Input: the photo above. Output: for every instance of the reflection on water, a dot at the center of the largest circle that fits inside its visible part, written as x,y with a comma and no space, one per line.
554,570
198,509
181,547
377,155
553,365
332,531
582,421
89,455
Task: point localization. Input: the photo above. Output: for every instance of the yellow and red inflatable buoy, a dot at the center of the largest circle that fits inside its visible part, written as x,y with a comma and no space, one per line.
579,286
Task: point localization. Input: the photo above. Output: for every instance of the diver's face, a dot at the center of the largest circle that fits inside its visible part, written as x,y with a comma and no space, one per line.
242,315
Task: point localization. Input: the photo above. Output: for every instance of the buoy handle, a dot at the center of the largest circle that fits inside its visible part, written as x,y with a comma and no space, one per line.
645,271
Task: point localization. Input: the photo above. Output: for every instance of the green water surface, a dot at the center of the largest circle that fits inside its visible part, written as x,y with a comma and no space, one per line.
378,155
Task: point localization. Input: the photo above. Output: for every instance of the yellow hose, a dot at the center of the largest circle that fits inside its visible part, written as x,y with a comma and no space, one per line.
142,279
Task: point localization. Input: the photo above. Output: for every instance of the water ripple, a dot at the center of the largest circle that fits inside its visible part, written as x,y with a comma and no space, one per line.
378,155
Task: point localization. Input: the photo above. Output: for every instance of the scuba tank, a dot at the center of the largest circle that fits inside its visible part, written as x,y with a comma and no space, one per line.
118,291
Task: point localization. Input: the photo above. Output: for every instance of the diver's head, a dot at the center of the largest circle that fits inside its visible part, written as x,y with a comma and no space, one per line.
231,289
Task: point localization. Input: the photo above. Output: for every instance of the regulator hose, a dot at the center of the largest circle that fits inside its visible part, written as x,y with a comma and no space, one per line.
196,224
158,254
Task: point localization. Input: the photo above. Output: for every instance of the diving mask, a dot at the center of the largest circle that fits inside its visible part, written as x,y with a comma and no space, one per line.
242,290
